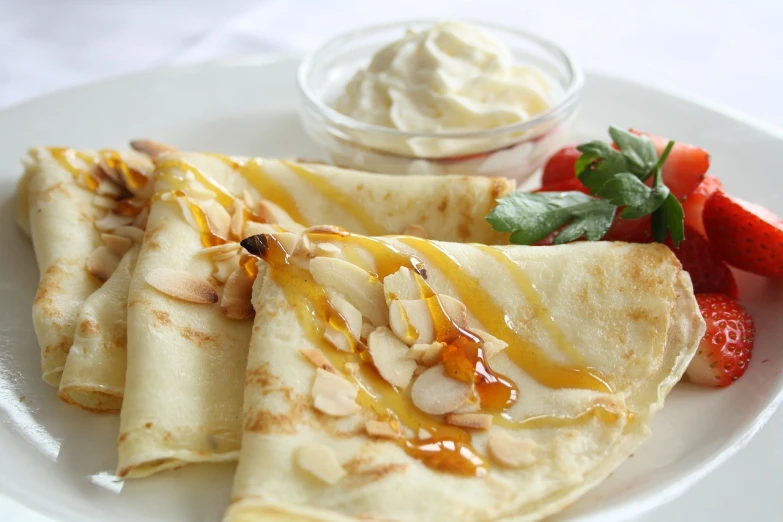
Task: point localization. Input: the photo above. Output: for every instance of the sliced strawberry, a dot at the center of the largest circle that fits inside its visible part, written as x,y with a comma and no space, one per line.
725,349
630,230
568,185
561,166
708,272
684,168
694,205
745,235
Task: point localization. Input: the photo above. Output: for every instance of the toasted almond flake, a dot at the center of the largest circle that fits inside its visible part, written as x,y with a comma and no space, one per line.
182,285
237,219
435,393
471,421
223,268
419,370
117,244
153,149
327,249
318,359
359,287
417,351
334,395
287,240
103,202
219,218
102,263
402,284
511,451
352,368
254,229
110,172
236,302
424,434
199,192
492,345
248,199
433,354
416,230
472,405
111,221
388,354
411,319
303,246
223,251
141,218
326,229
272,213
367,329
134,233
320,461
350,314
381,429
338,338
109,188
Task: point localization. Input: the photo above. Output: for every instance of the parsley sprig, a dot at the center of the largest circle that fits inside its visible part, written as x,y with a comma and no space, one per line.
616,179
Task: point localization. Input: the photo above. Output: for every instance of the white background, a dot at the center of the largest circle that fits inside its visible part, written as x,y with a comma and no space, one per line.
721,51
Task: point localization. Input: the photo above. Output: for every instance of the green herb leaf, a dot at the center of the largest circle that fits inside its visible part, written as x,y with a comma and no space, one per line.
533,216
669,219
598,163
639,151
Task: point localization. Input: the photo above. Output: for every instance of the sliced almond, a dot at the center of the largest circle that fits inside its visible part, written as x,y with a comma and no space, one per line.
389,356
110,172
424,434
492,345
435,393
110,189
338,338
320,461
411,319
276,215
103,202
381,429
303,246
416,230
141,218
327,249
367,329
182,285
223,268
402,284
510,451
134,233
433,354
218,252
318,359
352,368
287,240
236,302
153,149
334,395
253,228
349,313
471,421
111,221
472,405
218,216
326,229
237,219
248,199
102,263
359,287
117,244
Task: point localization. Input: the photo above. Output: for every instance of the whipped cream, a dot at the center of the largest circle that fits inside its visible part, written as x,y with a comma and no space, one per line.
452,77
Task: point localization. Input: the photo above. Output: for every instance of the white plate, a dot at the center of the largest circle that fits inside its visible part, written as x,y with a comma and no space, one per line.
56,461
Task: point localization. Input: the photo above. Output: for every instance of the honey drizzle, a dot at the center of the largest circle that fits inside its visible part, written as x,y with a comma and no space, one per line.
208,237
522,352
449,448
63,155
540,311
348,203
605,413
270,189
166,166
134,179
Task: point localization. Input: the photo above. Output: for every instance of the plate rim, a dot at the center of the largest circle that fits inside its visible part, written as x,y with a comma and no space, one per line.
632,508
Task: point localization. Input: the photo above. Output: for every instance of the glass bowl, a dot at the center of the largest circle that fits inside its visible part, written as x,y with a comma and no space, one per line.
514,151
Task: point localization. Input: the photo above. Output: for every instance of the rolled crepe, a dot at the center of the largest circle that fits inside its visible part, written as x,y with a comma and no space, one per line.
186,360
579,345
59,203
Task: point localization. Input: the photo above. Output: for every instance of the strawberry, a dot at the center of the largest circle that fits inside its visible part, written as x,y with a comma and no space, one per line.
561,166
567,185
745,235
694,205
630,230
684,168
725,349
707,270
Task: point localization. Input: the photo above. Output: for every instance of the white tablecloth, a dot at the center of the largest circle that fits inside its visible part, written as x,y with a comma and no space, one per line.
721,51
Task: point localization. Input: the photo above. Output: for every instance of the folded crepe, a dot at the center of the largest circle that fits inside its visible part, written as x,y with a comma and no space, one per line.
65,202
189,310
406,379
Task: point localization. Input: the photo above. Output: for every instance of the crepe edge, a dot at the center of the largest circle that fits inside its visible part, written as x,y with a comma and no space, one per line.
153,463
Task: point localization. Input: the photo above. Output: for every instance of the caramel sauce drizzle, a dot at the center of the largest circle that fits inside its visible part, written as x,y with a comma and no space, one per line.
522,352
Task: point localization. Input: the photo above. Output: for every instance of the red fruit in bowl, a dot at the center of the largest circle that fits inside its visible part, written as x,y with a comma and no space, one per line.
561,166
694,205
685,167
745,235
708,272
727,345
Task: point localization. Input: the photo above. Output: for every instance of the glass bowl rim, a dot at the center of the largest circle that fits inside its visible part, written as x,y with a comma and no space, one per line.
553,113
